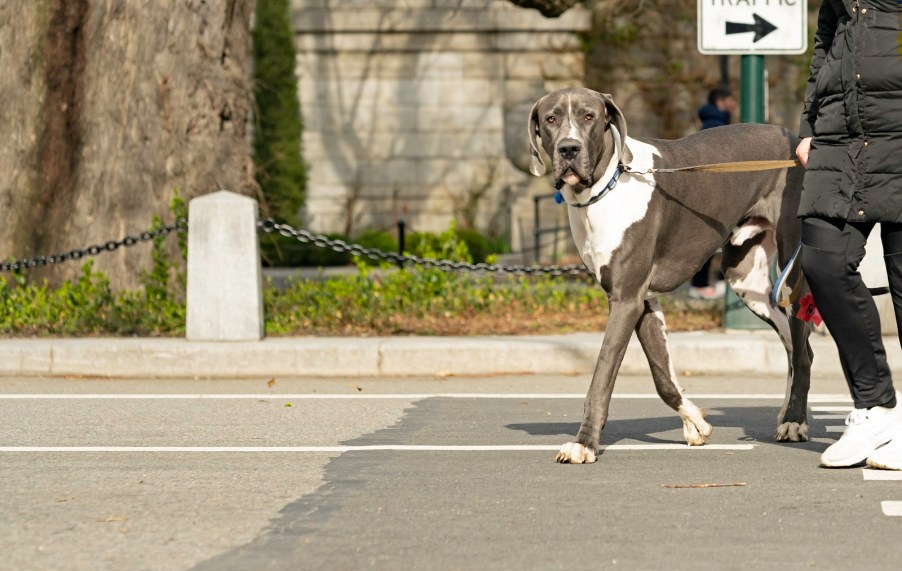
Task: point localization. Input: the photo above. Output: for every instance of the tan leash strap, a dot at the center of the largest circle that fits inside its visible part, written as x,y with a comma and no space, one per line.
741,166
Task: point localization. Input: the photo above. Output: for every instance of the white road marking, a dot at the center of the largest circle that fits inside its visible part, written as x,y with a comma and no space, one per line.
891,508
401,396
828,416
869,474
836,429
846,409
369,448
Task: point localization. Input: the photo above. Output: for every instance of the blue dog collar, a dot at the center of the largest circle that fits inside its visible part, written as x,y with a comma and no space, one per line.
559,198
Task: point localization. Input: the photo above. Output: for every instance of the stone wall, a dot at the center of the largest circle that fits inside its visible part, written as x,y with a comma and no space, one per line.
406,105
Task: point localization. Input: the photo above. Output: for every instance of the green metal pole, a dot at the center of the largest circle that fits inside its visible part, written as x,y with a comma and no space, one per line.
752,110
736,314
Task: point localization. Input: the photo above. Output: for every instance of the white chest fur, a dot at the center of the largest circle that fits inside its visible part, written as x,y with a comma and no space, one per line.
598,230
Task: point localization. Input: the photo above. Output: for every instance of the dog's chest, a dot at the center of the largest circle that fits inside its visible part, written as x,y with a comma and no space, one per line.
599,230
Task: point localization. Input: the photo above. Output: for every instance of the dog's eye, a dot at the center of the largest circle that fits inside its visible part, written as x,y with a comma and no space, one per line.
551,119
589,117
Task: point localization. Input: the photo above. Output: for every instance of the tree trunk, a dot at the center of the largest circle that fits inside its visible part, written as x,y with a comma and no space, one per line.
110,107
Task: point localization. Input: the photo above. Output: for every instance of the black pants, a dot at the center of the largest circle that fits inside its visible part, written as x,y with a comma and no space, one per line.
831,253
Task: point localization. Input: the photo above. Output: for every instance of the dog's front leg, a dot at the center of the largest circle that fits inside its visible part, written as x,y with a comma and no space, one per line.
623,317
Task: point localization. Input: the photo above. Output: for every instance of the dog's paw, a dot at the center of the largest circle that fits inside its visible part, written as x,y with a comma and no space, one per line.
575,453
792,432
696,429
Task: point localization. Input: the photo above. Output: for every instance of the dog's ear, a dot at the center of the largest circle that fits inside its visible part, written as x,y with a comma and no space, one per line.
536,163
616,118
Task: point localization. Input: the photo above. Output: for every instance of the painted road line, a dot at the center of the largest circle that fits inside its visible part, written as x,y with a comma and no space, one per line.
834,429
894,475
370,448
846,409
401,396
891,508
829,416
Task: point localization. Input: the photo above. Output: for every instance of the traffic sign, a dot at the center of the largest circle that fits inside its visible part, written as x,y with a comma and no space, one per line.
752,26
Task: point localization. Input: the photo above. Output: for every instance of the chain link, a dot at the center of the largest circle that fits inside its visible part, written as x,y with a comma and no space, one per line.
181,225
270,226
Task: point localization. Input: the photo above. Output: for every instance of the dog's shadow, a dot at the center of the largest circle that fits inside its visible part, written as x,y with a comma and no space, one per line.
755,424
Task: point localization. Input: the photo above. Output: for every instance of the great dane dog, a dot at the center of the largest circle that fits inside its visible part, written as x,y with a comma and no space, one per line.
642,233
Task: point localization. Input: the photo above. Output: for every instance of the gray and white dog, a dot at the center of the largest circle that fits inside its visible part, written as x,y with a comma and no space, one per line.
643,234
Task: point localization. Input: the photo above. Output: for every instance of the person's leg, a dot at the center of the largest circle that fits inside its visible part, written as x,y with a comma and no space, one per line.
890,456
891,234
831,253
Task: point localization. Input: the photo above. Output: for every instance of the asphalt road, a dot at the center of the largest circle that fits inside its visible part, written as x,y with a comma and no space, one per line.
393,475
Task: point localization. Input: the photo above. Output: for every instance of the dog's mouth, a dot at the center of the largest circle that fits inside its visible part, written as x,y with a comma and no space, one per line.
572,178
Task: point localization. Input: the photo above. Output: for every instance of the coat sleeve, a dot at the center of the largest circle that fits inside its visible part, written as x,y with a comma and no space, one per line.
823,40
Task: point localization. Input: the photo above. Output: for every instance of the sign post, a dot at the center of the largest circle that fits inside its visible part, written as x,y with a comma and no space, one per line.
751,28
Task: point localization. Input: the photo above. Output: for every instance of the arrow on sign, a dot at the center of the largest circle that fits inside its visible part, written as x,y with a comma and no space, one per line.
761,27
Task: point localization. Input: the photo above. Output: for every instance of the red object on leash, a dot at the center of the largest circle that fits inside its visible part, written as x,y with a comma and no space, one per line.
808,310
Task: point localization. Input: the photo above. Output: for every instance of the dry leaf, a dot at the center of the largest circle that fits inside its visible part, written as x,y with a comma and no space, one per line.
357,388
270,382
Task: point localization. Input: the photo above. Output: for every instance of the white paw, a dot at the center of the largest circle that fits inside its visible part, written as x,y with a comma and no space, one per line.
574,453
792,432
696,429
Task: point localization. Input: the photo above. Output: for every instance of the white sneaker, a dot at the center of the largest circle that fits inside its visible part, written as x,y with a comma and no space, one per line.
888,457
866,430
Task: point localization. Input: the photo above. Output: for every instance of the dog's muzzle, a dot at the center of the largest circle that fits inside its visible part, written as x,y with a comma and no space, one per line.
568,164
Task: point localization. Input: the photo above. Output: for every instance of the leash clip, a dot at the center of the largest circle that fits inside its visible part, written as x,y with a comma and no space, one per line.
629,169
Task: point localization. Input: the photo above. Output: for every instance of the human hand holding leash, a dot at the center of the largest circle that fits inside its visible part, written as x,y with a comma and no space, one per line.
803,150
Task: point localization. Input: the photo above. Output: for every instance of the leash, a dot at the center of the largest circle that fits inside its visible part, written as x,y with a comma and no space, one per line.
740,166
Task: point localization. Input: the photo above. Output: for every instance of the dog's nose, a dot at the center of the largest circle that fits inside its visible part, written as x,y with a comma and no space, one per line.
569,148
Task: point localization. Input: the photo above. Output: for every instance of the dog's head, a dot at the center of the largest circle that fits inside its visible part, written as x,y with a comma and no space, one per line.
574,126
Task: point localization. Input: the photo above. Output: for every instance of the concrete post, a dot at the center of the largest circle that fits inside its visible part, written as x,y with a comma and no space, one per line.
225,301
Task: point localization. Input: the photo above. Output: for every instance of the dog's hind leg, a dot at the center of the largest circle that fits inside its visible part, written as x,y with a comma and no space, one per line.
652,333
792,421
746,267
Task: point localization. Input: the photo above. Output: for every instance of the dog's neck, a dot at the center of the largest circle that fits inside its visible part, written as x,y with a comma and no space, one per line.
609,161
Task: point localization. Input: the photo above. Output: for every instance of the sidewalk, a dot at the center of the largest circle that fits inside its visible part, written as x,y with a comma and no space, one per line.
743,353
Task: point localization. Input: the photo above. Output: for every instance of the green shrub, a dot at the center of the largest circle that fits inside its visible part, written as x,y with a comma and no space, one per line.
388,302
281,251
479,246
445,246
280,170
379,240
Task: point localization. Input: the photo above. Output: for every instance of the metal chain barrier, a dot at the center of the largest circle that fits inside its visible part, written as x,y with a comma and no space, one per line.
181,225
270,226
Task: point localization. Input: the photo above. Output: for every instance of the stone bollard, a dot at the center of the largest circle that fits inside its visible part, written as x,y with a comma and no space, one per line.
225,301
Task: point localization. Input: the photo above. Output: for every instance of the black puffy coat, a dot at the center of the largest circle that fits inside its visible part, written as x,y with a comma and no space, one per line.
853,110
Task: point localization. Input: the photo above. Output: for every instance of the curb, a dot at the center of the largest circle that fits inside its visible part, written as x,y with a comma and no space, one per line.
719,353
